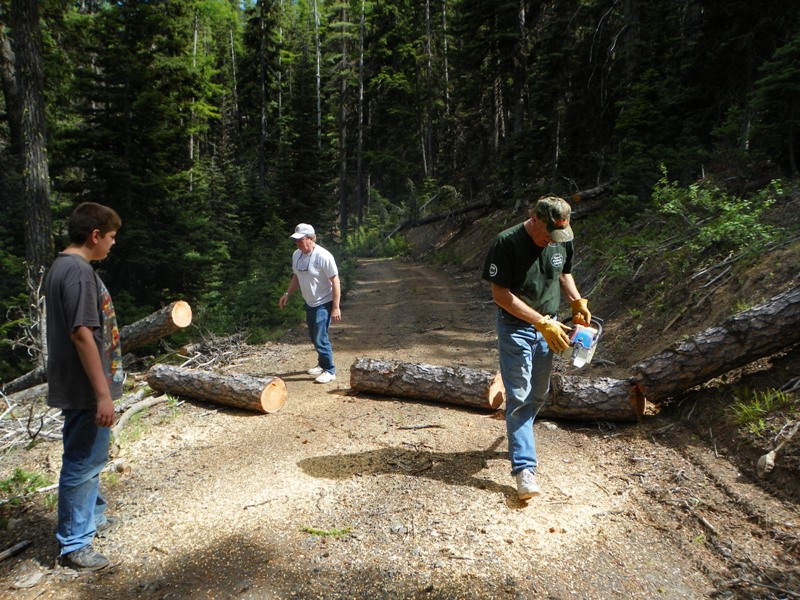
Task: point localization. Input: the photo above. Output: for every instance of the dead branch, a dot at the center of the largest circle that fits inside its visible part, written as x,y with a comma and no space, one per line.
136,408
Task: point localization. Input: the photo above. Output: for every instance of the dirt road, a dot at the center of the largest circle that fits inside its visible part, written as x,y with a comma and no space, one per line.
345,496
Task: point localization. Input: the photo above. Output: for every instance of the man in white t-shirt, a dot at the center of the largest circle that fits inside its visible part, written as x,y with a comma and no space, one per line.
315,274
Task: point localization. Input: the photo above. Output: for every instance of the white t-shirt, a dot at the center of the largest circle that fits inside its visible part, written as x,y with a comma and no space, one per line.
314,271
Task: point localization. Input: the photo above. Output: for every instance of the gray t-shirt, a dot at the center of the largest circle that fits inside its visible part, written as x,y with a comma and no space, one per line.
75,296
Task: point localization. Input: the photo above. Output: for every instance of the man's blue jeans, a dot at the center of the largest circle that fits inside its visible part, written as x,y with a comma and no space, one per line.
318,320
525,365
80,506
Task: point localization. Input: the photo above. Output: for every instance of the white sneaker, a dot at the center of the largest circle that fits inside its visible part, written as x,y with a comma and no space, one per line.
326,377
315,371
526,485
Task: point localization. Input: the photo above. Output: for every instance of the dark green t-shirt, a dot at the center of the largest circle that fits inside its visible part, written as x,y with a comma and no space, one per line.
529,271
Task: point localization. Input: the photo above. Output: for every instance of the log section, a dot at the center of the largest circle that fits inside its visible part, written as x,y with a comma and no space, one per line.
158,325
238,390
745,337
595,398
452,385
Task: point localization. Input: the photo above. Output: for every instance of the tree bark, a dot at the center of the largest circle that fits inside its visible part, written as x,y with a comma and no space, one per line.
158,325
452,385
593,399
35,172
761,331
237,390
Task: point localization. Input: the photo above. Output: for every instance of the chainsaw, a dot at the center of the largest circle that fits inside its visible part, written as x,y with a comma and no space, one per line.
583,342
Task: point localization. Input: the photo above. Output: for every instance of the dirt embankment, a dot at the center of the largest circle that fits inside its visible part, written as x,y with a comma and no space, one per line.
347,496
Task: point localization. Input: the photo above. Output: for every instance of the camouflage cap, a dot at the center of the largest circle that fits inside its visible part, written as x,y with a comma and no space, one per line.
554,213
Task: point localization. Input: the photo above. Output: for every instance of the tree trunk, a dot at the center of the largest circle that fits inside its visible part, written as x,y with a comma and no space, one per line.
452,385
593,399
237,390
35,173
158,325
761,331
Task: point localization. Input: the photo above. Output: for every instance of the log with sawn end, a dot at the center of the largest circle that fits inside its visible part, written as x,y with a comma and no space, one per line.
263,395
452,385
572,398
155,326
158,325
592,399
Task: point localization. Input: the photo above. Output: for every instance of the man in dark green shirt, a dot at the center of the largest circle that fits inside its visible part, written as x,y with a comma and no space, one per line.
528,266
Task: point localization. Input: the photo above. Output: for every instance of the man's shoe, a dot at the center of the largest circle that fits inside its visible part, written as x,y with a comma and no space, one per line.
315,371
107,526
326,377
84,559
526,485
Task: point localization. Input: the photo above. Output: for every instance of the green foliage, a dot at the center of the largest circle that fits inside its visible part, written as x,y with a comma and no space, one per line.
334,533
682,229
20,484
714,220
753,409
371,240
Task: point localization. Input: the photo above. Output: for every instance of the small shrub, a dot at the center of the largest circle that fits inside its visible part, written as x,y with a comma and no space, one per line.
20,484
753,409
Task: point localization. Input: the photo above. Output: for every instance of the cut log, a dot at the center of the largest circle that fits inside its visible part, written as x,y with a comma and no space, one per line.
144,331
452,385
238,390
572,397
761,331
592,399
158,325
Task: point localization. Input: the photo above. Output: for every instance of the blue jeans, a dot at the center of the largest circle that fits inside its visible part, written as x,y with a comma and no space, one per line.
80,506
525,365
318,320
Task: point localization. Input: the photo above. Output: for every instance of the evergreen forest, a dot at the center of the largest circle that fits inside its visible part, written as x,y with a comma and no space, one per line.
215,126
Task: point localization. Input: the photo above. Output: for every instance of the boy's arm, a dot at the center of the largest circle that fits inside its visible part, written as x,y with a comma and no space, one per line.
90,359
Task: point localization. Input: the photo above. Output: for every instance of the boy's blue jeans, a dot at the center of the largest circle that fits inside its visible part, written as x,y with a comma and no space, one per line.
525,365
80,506
318,320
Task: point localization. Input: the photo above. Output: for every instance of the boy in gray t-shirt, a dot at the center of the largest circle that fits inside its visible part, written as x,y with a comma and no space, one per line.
84,374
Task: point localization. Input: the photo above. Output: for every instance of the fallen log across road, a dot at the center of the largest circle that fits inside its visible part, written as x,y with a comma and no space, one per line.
761,331
237,390
451,385
580,398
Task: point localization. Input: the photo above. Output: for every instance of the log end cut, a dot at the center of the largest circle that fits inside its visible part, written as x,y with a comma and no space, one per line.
638,401
274,395
497,392
181,314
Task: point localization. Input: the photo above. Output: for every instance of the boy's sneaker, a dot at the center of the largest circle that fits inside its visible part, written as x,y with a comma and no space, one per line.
84,559
107,526
315,371
326,377
526,485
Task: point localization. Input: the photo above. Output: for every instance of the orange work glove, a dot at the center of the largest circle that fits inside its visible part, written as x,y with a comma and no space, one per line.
580,312
553,333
